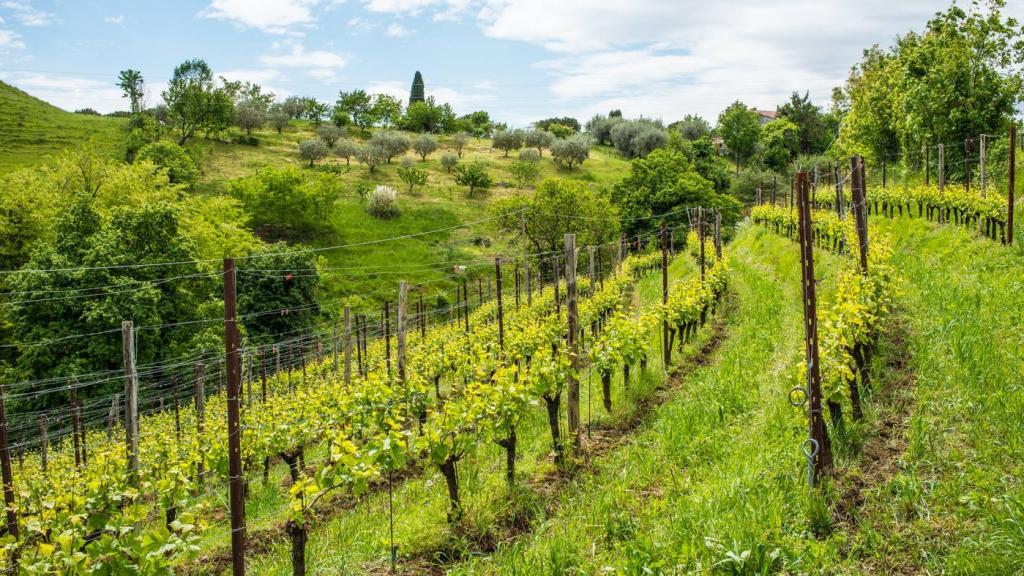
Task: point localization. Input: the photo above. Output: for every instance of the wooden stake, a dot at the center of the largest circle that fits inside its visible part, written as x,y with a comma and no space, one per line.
234,389
131,397
1012,185
348,345
665,346
859,196
200,400
8,476
403,294
573,399
816,421
501,313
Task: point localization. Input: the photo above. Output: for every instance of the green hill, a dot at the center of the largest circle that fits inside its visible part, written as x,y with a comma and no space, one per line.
31,130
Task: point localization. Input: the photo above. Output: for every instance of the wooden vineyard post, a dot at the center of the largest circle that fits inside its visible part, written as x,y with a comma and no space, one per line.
529,282
200,400
74,424
859,202
1012,184
981,163
555,279
131,397
822,453
387,336
348,345
884,173
501,315
666,348
571,312
234,389
718,235
775,188
403,294
700,240
5,469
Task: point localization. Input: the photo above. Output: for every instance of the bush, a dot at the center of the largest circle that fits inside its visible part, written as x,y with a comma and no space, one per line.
285,198
363,189
412,177
340,118
571,151
329,134
424,145
474,175
529,155
448,161
247,140
180,166
383,203
312,150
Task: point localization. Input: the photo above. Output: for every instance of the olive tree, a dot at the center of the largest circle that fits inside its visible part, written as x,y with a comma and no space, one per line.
539,139
329,134
346,149
448,161
424,144
571,151
459,142
312,150
508,140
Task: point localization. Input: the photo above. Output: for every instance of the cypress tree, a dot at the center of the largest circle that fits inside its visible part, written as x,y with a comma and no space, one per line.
417,92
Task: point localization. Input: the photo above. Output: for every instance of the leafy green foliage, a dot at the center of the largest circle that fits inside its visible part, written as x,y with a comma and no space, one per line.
194,102
313,150
180,165
330,134
739,127
691,127
474,175
779,144
283,198
524,172
544,213
283,277
539,139
417,93
449,161
429,116
412,176
571,151
424,145
567,121
637,138
507,140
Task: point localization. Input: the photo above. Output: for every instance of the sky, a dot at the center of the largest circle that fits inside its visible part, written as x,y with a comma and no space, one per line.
521,60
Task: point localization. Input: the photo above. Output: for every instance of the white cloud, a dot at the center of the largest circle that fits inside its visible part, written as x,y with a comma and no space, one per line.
319,64
70,92
116,20
23,13
10,40
270,16
395,30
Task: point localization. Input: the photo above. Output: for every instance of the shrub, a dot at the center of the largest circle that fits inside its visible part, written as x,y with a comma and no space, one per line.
180,166
383,203
329,134
571,151
312,150
448,161
412,176
459,142
474,175
424,145
363,189
529,155
247,140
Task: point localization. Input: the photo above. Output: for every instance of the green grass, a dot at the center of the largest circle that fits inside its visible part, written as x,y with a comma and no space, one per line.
32,131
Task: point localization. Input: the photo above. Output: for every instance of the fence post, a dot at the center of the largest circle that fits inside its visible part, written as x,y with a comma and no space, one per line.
981,162
74,424
5,467
718,235
348,345
573,400
1012,184
200,416
859,198
816,422
403,292
234,389
665,347
131,397
501,311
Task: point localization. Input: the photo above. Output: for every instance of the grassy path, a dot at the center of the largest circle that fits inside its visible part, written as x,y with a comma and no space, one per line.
956,502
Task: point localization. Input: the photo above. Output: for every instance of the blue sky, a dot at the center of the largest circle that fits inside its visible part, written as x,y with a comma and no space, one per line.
519,59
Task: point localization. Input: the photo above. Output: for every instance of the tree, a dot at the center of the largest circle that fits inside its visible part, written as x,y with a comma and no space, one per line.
286,198
600,128
524,172
373,154
560,130
391,143
316,110
125,241
637,138
571,151
459,142
507,140
294,107
346,149
340,118
278,118
449,161
474,175
545,124
412,176
739,127
131,85
312,150
595,219
476,123
424,145
691,127
959,78
358,105
428,116
294,286
663,184
180,165
539,139
810,122
417,93
779,144
386,110
194,102
248,115
329,134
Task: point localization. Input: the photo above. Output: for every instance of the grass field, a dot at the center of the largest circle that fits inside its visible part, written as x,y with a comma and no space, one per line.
32,130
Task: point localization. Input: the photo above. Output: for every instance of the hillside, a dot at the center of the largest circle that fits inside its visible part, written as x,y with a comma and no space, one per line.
31,130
